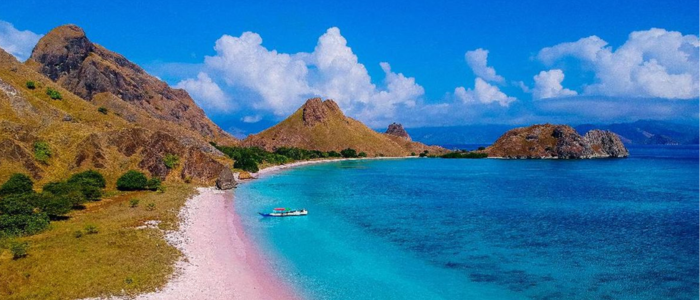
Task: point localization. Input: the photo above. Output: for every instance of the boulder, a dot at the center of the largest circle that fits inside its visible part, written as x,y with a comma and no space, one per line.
226,180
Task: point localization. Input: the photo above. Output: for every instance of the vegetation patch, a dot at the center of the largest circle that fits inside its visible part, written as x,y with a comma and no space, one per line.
42,152
103,110
61,263
31,85
54,94
171,160
465,154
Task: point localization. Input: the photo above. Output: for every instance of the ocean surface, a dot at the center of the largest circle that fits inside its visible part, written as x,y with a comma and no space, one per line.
484,229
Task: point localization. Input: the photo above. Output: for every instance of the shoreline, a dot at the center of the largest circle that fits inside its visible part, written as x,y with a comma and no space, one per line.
219,261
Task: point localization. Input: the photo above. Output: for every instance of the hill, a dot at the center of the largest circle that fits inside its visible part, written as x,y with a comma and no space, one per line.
650,132
79,134
66,56
556,141
321,125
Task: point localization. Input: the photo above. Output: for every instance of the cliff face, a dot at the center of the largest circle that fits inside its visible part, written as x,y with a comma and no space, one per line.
68,57
80,137
321,125
556,141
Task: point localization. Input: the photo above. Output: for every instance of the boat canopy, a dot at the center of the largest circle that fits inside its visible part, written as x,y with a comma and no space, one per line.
280,209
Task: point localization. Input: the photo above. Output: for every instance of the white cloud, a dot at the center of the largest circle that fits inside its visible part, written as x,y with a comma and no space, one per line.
17,43
282,81
483,93
477,61
252,119
206,92
548,85
651,63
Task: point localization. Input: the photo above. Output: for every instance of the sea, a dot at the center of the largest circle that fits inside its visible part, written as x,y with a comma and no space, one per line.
428,228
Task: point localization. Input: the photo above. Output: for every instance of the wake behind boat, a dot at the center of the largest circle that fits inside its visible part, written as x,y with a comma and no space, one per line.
285,212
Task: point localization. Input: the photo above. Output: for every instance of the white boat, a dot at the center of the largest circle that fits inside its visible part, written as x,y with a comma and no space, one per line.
285,212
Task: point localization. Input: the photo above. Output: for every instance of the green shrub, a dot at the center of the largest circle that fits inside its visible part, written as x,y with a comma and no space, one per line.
413,154
53,94
103,110
19,249
481,148
132,181
91,229
362,154
42,152
334,154
78,234
31,85
23,224
53,205
171,160
17,184
90,177
348,153
153,184
150,206
246,163
134,203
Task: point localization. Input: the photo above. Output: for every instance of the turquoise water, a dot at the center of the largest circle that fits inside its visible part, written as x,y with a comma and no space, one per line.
484,229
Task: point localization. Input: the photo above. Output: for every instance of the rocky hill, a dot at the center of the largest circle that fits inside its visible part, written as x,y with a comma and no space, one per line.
79,134
556,141
650,132
397,130
321,125
66,56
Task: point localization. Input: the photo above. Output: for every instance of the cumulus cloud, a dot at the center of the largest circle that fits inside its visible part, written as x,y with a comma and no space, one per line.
548,85
281,82
483,93
16,42
652,63
477,61
206,92
251,119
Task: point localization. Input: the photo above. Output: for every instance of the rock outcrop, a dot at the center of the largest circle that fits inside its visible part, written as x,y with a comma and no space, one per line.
68,57
321,125
396,129
226,180
556,141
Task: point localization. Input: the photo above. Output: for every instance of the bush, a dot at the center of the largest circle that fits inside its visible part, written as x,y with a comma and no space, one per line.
413,154
42,152
54,205
334,154
362,154
28,224
91,229
18,249
103,110
78,234
171,160
77,193
150,206
53,94
348,153
153,184
481,148
31,85
465,155
17,184
246,163
132,181
90,177
134,203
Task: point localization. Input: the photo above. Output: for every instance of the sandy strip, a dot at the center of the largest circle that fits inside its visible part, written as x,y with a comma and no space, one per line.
220,263
273,169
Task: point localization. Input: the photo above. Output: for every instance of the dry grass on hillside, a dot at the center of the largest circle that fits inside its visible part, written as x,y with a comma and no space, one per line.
119,259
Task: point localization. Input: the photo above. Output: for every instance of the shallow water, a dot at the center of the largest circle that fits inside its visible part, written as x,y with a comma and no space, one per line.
485,229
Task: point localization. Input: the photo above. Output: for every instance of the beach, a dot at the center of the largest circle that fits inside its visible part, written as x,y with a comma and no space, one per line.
218,261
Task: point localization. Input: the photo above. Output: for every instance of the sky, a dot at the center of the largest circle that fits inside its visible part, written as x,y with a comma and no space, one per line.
249,64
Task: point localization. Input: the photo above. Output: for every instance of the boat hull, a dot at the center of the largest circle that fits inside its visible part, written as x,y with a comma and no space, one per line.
285,214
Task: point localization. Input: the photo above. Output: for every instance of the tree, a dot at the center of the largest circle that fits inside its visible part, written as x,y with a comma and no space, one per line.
246,163
90,177
362,154
348,153
17,184
132,181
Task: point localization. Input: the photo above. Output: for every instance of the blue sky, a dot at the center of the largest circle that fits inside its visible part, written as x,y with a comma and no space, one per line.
334,49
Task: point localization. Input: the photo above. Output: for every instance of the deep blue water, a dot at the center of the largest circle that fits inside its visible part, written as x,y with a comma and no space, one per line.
485,229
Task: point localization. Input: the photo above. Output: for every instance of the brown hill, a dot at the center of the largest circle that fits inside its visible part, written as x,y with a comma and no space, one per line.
68,57
556,141
321,125
80,137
